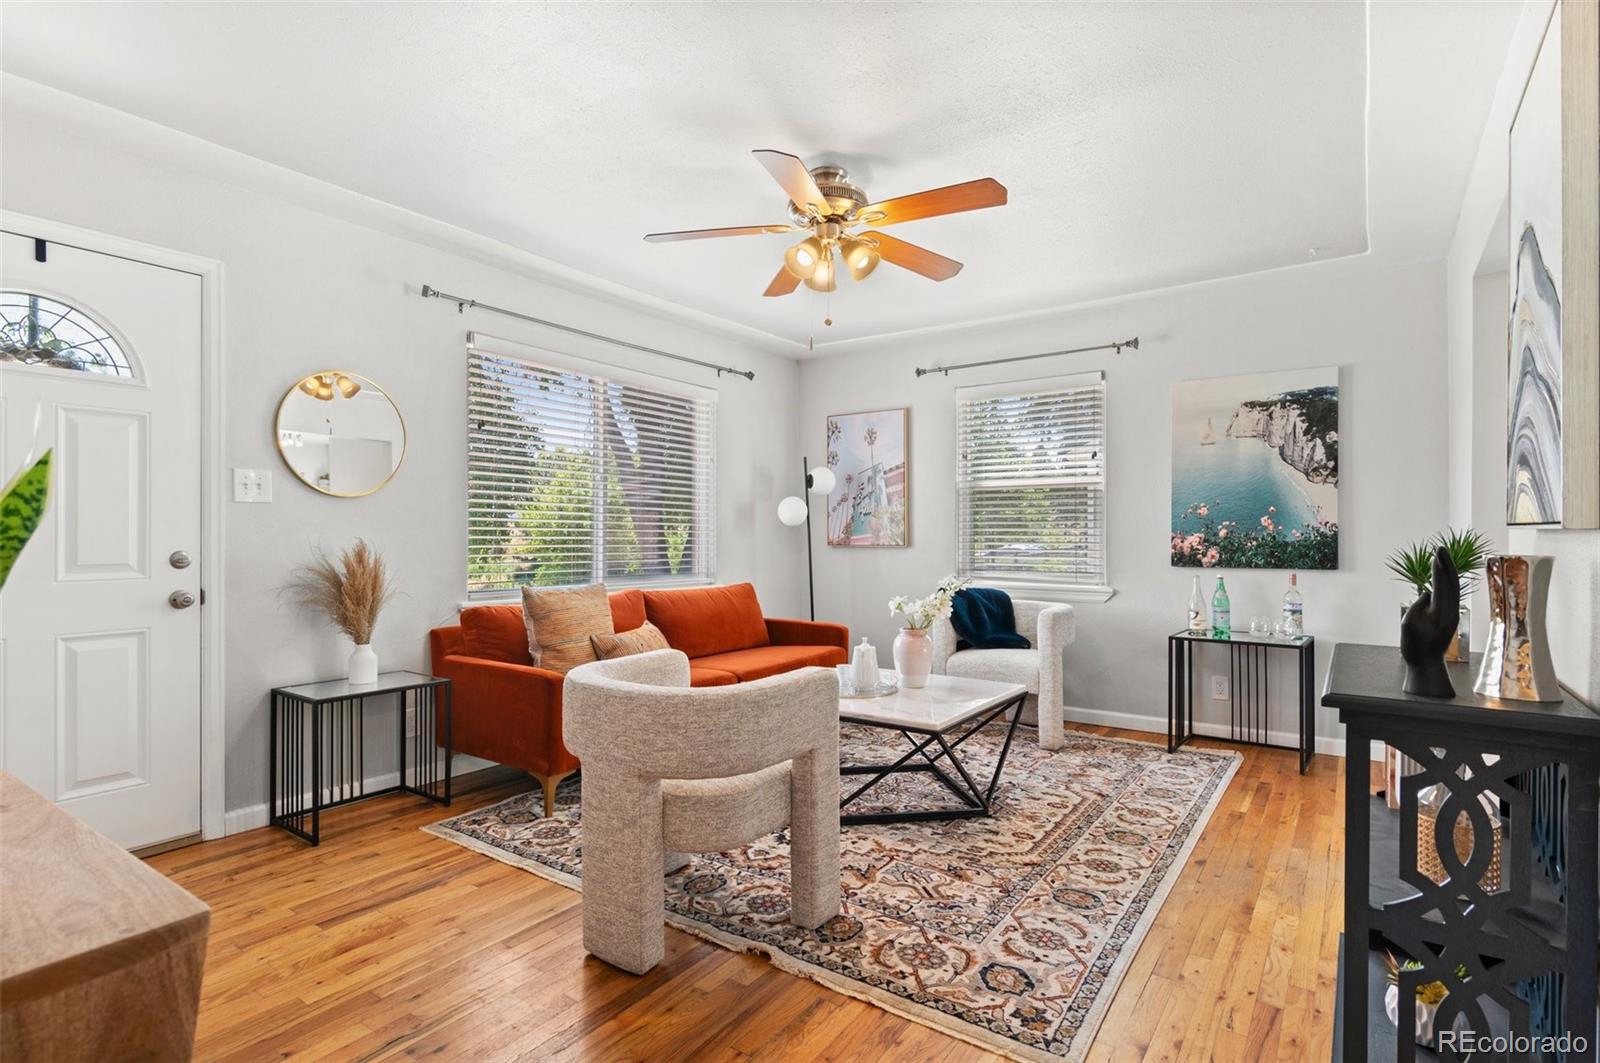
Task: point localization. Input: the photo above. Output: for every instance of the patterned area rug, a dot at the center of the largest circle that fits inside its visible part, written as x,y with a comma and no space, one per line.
1010,932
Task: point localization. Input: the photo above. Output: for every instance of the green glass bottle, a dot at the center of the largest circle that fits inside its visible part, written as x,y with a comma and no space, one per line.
1221,621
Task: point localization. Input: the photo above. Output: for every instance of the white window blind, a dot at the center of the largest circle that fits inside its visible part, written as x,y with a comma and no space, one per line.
582,477
1031,487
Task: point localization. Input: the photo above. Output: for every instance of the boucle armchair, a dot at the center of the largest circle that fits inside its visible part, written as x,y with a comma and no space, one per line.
669,770
1050,628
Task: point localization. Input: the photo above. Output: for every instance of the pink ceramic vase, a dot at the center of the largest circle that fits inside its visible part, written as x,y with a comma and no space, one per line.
913,656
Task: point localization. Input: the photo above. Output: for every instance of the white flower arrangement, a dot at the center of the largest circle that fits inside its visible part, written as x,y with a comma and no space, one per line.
920,613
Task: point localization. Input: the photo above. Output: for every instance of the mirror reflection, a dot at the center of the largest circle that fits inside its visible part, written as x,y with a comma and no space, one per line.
339,433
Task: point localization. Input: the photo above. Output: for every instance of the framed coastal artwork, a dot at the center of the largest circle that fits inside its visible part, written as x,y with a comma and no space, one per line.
1255,471
1533,421
871,500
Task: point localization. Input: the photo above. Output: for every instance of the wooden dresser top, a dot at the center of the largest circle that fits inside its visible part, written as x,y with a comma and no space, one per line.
73,904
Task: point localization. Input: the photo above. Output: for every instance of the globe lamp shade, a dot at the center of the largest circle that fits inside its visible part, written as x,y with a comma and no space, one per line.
822,481
792,511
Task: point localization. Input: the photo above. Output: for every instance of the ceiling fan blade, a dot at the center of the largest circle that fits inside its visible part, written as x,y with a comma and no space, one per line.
951,199
706,234
916,259
796,180
784,283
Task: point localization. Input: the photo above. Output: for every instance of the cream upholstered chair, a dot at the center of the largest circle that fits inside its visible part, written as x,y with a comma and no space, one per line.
669,769
1050,628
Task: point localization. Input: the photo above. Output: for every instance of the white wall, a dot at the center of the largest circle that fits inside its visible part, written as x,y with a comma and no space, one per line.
304,291
1574,607
1383,326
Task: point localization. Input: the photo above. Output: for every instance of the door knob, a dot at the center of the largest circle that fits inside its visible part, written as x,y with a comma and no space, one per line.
179,559
180,599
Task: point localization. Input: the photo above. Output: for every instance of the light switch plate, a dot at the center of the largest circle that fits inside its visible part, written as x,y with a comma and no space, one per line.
252,485
1219,688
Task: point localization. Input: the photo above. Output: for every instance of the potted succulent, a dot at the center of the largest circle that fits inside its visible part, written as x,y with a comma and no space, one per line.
913,647
350,590
1412,564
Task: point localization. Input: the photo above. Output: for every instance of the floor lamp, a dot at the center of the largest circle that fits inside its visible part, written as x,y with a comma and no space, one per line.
793,512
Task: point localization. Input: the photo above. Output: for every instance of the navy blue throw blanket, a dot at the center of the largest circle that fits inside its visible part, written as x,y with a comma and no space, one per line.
983,619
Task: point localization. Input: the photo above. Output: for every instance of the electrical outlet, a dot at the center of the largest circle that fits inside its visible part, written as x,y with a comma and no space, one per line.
1219,688
252,485
411,721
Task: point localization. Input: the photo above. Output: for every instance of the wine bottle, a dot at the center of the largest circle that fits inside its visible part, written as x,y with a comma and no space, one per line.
1197,609
1221,620
1294,624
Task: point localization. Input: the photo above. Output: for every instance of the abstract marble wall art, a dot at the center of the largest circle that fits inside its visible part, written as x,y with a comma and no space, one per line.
1533,426
1255,471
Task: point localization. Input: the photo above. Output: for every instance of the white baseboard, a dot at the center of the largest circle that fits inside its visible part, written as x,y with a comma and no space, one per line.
1333,747
252,816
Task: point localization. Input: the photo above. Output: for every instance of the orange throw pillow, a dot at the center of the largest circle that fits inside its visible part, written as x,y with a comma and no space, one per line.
562,620
495,632
642,639
701,621
627,609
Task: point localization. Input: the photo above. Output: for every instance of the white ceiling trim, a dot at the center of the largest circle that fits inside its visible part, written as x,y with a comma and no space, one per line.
31,101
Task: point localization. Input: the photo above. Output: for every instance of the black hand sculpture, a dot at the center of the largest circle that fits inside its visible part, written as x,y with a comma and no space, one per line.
1427,629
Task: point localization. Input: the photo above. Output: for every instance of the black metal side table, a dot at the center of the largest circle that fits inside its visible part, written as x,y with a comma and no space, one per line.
1249,692
318,747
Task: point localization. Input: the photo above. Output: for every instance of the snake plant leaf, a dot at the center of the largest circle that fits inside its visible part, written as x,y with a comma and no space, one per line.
21,510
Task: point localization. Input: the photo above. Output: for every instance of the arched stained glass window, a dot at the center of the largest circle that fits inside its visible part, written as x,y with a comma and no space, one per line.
38,330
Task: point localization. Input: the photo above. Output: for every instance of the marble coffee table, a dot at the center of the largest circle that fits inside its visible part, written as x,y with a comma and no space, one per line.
935,720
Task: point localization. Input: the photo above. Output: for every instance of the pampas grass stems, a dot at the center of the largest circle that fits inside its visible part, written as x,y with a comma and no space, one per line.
351,590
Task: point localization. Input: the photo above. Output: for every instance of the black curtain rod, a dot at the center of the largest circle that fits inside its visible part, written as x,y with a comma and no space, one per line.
462,302
1132,344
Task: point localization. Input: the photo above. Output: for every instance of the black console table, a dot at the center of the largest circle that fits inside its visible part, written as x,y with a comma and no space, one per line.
318,746
1514,945
1249,693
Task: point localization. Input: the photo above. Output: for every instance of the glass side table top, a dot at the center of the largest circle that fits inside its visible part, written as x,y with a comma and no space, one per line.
341,689
1245,637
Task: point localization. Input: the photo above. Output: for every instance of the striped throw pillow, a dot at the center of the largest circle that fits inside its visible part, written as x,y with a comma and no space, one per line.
561,621
641,639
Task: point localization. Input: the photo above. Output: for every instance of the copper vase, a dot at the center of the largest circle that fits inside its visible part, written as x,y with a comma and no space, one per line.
1516,659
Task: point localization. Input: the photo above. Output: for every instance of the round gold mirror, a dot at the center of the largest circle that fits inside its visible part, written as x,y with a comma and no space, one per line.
340,434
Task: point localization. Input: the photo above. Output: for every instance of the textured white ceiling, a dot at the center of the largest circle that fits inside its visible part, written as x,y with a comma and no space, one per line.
1143,144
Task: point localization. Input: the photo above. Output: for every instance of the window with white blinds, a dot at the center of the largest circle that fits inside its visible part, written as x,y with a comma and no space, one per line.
579,477
1031,484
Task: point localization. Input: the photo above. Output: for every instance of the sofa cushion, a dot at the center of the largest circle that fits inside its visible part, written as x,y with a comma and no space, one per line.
704,620
495,632
627,609
561,621
758,662
642,639
1001,666
710,677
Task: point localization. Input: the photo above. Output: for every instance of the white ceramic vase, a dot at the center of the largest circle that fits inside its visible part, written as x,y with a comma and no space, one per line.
913,656
363,665
1425,1014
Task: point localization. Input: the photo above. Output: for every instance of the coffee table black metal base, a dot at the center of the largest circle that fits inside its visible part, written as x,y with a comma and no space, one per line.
975,800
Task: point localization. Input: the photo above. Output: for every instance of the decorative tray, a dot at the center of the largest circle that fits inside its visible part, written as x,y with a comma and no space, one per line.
888,683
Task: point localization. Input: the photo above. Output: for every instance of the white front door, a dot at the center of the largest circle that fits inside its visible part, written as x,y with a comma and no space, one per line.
99,655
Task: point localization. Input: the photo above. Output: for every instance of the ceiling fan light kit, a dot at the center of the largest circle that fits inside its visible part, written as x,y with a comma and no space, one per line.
824,204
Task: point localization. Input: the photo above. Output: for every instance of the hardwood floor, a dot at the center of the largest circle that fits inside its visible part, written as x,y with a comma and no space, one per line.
387,943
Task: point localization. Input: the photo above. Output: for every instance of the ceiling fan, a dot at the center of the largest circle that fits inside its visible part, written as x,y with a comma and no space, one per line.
825,205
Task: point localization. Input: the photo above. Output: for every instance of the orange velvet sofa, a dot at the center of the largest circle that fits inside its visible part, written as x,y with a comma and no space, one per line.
507,710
